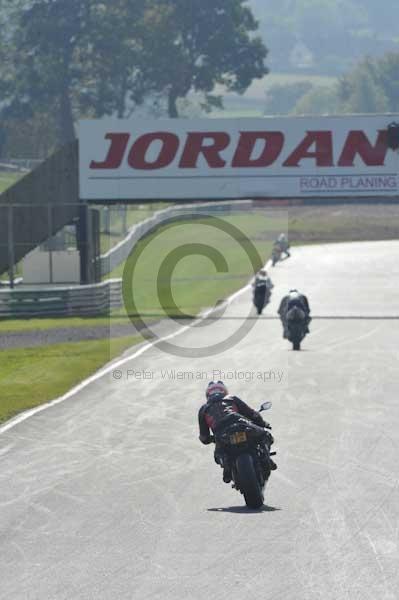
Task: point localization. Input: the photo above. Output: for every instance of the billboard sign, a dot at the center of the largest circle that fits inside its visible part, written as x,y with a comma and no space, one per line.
287,157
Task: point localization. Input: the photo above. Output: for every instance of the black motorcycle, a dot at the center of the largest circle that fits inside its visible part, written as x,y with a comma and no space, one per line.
276,254
248,451
261,296
296,326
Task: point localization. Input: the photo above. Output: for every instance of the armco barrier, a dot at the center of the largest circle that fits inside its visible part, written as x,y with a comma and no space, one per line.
119,253
62,301
99,298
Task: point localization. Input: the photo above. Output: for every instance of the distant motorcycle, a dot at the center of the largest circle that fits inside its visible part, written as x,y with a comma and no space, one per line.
261,296
285,248
249,459
276,254
296,326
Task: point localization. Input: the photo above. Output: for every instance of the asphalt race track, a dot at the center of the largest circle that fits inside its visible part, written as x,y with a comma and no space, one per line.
110,495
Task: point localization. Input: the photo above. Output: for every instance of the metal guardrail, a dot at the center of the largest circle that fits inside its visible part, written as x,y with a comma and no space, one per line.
24,165
119,253
99,298
62,301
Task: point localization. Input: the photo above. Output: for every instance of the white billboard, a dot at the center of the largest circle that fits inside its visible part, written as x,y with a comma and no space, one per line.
283,157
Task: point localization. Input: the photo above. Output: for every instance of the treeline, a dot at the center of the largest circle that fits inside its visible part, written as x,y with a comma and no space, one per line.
61,60
372,86
337,33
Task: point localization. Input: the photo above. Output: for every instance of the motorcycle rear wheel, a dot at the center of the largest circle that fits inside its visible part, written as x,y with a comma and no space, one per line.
296,345
248,481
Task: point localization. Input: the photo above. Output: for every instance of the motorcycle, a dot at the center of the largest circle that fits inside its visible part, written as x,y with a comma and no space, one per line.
261,296
276,254
296,326
285,248
249,458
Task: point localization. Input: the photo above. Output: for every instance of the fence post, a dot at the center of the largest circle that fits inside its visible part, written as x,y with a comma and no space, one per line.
10,238
82,242
50,245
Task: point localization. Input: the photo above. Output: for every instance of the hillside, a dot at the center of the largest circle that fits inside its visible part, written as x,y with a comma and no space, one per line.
325,36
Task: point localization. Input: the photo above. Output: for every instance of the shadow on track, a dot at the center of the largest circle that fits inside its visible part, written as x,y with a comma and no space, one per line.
243,509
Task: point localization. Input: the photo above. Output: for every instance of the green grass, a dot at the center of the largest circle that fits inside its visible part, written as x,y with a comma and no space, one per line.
314,226
15,325
238,113
288,78
7,179
32,376
195,281
134,215
191,289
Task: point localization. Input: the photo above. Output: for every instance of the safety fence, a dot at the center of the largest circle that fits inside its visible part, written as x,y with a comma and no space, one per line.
61,301
119,253
69,299
23,165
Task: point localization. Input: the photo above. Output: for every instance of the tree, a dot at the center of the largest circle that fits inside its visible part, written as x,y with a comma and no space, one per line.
89,58
386,75
200,44
282,98
73,59
320,100
360,92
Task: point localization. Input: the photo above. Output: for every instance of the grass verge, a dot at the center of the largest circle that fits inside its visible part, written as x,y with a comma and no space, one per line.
343,223
7,179
16,325
120,222
29,377
185,278
32,376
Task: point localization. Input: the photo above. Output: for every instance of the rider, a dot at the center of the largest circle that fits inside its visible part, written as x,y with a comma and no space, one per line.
221,411
282,242
294,298
262,278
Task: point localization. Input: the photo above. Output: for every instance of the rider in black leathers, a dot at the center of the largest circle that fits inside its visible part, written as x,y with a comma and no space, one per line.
219,412
294,298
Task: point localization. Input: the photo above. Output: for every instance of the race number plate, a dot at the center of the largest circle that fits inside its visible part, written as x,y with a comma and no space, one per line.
238,438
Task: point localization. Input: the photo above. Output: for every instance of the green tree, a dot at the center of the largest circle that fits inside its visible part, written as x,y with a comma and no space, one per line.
72,59
386,75
89,58
282,98
360,92
202,43
320,100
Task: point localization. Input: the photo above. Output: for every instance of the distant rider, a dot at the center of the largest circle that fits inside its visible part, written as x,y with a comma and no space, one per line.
220,412
283,243
263,279
293,298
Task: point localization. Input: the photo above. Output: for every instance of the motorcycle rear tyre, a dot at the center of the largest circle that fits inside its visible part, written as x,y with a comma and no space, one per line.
248,481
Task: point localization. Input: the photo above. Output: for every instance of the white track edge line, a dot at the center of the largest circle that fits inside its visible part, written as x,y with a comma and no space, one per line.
115,364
